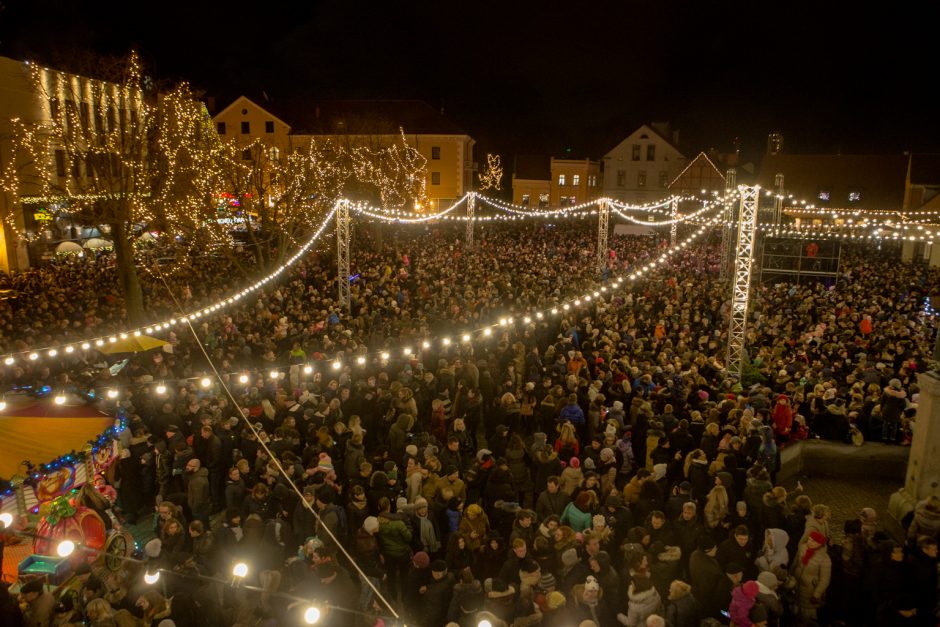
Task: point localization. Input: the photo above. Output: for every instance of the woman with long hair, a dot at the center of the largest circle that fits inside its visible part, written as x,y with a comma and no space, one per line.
717,511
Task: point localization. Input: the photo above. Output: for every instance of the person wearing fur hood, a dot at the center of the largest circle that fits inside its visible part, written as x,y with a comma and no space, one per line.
644,600
682,610
774,557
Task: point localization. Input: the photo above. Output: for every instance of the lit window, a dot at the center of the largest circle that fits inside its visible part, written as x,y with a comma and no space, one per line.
823,194
274,154
543,200
525,200
561,180
855,196
575,179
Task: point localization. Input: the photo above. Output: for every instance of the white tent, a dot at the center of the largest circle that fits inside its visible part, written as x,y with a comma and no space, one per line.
97,242
633,229
68,247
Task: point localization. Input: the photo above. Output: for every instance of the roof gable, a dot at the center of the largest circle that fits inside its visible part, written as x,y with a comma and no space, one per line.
701,161
644,133
243,101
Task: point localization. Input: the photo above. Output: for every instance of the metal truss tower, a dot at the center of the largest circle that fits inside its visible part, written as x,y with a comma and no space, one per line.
603,220
342,252
471,218
727,224
740,290
778,199
675,225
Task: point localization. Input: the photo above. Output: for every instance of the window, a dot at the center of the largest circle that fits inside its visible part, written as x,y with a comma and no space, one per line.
274,154
621,178
575,179
435,152
220,127
525,200
636,152
543,200
99,120
269,126
246,154
60,162
435,178
855,196
823,195
84,115
641,178
74,167
70,115
561,180
112,120
663,175
651,152
246,128
54,108
133,118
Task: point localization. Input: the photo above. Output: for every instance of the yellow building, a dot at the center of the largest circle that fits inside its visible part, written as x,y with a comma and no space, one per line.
531,181
447,149
34,227
574,181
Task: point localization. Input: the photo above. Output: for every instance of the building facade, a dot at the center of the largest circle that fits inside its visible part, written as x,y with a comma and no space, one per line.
640,168
701,175
36,221
447,149
574,181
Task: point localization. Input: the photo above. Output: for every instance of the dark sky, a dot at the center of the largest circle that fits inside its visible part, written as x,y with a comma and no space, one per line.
541,77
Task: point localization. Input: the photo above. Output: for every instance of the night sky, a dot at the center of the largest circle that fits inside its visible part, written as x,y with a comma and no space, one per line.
545,77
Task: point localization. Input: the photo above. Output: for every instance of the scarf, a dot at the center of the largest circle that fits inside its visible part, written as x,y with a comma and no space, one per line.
810,551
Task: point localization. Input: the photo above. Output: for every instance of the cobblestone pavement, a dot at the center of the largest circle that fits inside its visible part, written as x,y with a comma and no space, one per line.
845,497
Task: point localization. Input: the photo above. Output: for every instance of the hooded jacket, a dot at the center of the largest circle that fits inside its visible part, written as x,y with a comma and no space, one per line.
642,604
682,610
394,536
775,556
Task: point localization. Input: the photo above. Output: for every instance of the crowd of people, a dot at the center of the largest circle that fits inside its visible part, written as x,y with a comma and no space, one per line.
596,467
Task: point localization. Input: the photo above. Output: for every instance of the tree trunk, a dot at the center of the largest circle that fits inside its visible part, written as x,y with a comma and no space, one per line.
127,275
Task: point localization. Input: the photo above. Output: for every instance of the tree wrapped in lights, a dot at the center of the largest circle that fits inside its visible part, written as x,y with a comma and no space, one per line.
280,198
120,155
492,175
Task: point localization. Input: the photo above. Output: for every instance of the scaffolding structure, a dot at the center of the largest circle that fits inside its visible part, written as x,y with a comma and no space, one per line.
471,219
740,289
342,253
778,199
727,231
603,220
675,222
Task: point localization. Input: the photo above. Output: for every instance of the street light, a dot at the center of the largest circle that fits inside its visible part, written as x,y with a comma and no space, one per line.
311,615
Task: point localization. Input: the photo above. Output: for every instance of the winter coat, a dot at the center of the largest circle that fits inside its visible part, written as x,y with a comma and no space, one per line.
474,526
813,578
775,557
642,604
575,518
926,521
706,578
394,537
548,504
398,436
519,467
683,611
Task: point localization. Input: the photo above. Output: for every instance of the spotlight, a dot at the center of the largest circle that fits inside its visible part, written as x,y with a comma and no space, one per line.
65,548
311,615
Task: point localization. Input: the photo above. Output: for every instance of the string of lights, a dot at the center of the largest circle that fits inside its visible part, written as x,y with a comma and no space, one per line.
404,217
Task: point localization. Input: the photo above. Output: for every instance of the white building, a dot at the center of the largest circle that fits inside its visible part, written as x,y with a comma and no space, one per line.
641,167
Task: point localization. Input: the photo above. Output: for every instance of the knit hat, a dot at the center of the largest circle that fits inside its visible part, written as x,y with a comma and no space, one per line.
412,450
607,455
440,566
591,585
152,549
547,581
750,588
733,568
421,502
618,405
555,600
589,464
325,464
371,524
421,559
895,384
768,580
599,521
614,500
574,462
570,557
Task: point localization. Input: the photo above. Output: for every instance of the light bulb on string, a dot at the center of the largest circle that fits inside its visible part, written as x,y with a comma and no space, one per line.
308,369
205,382
65,548
59,399
112,393
161,389
6,519
311,615
240,570
152,578
243,379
